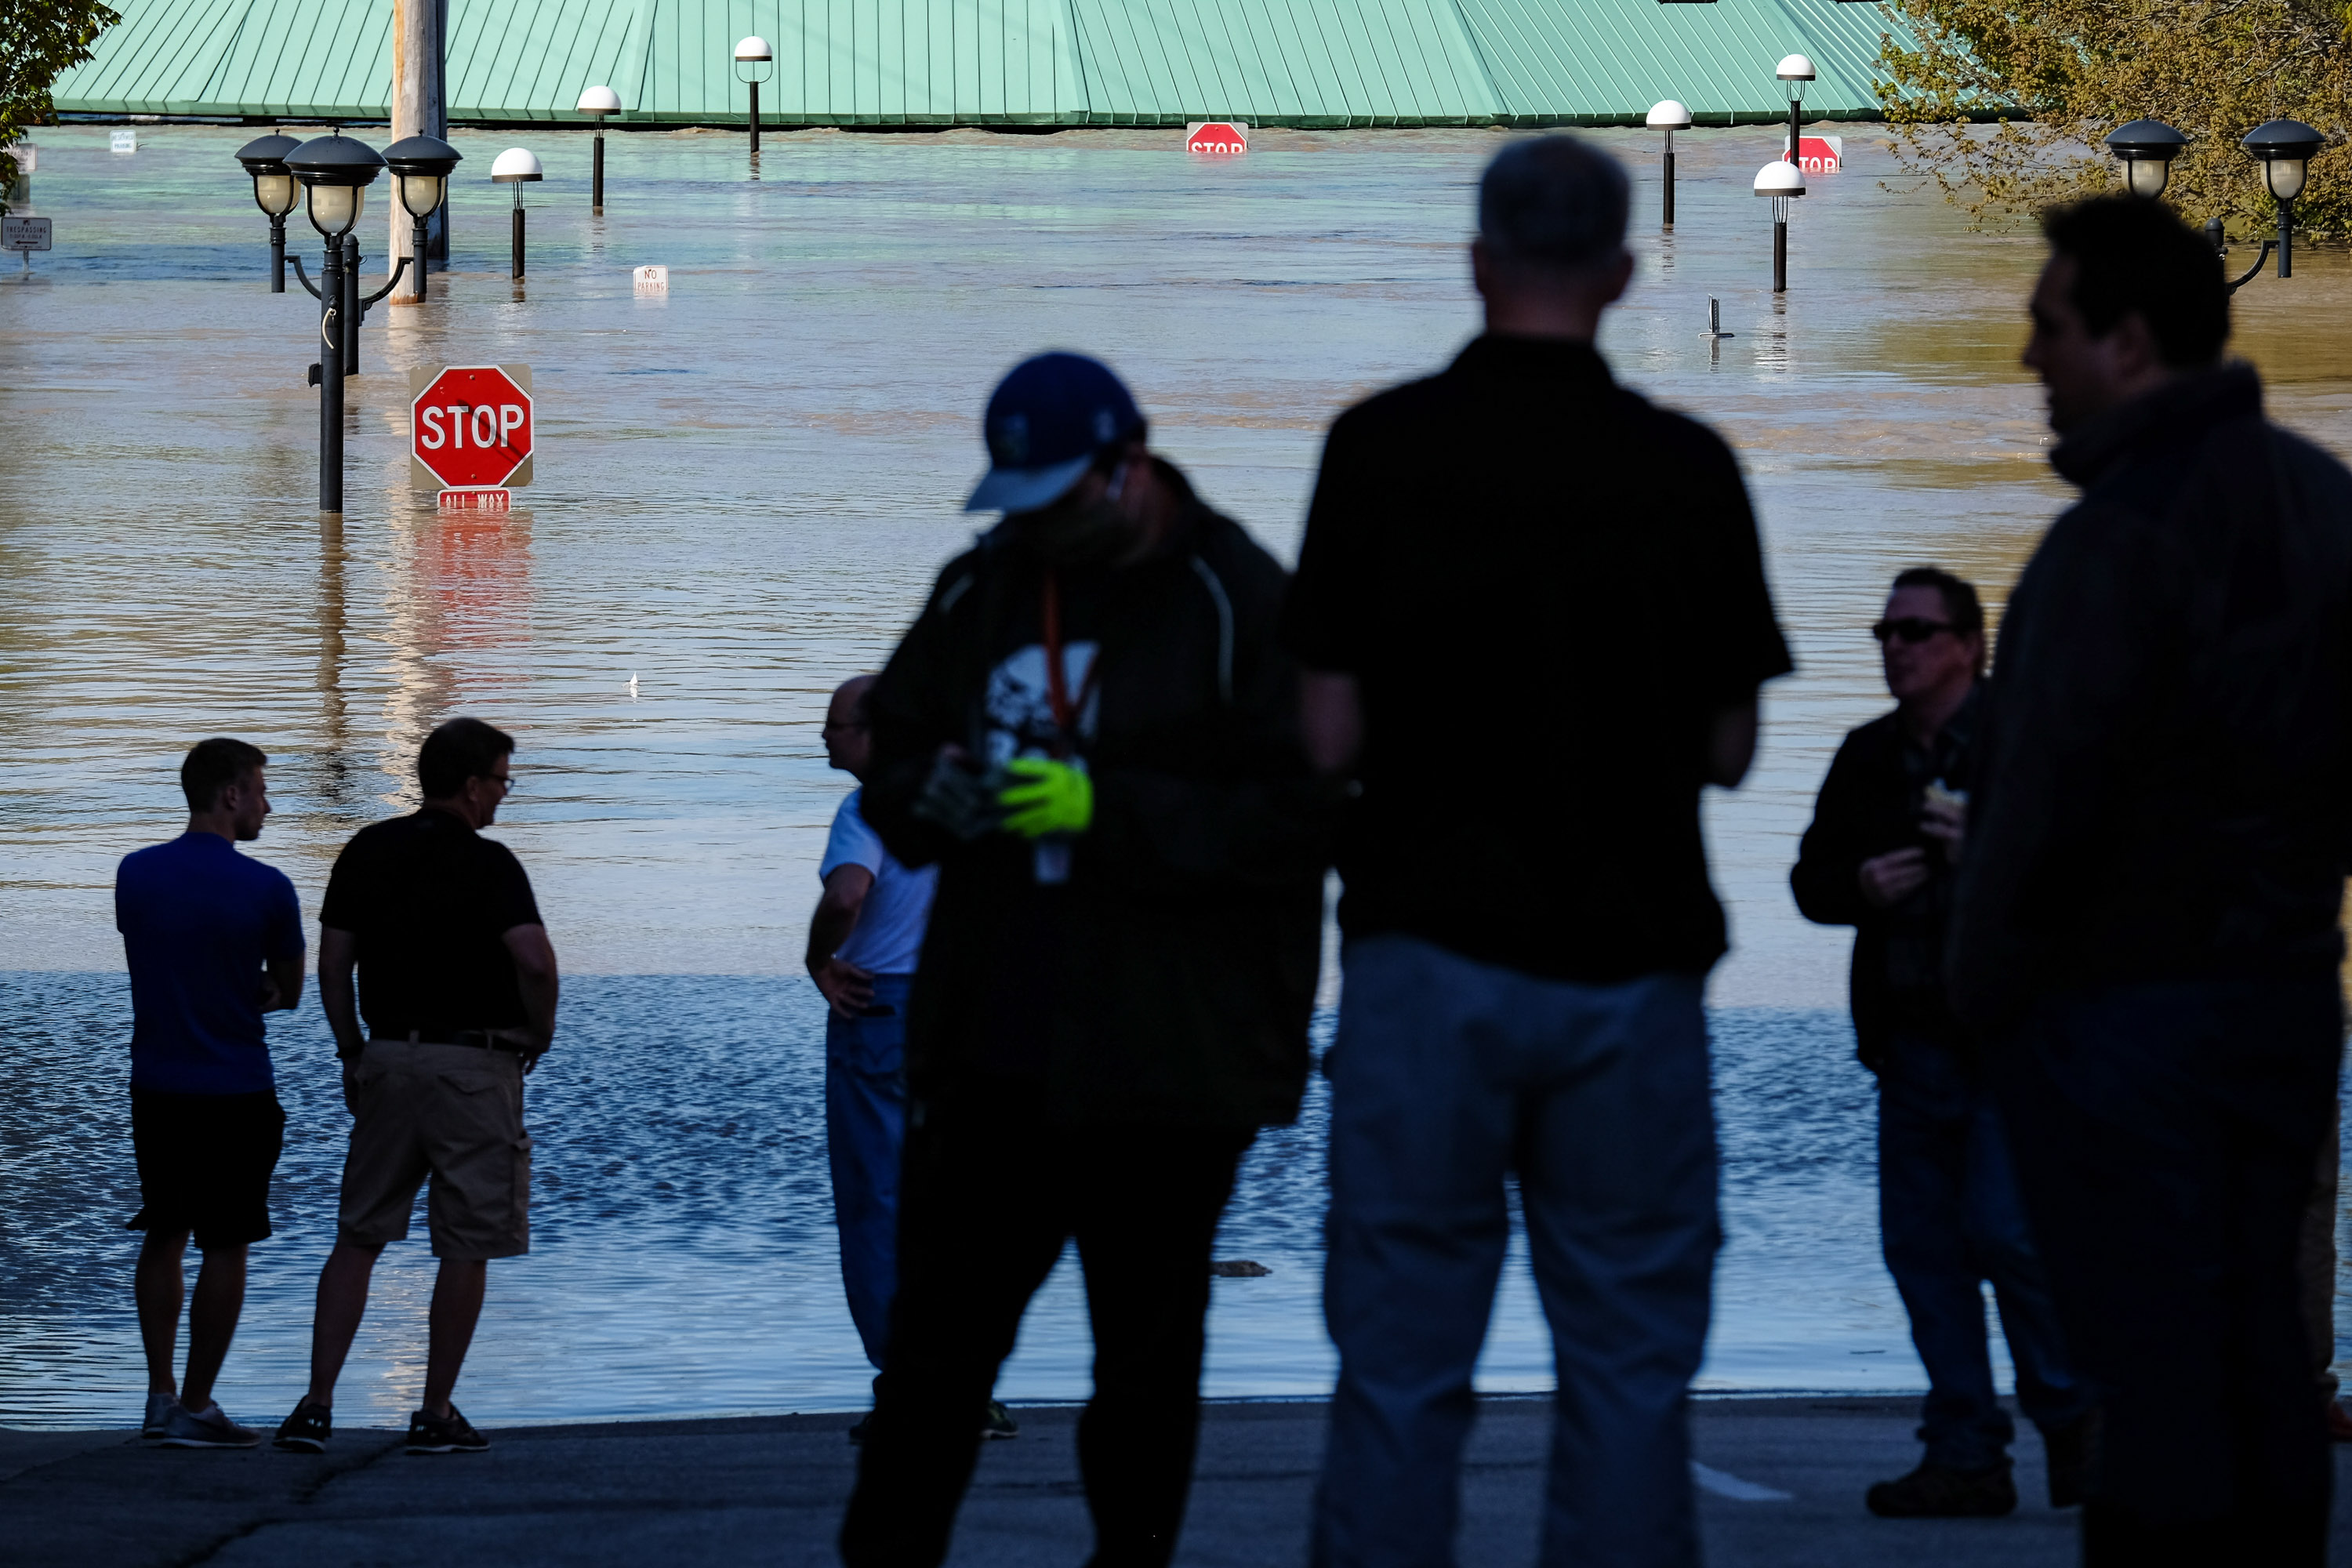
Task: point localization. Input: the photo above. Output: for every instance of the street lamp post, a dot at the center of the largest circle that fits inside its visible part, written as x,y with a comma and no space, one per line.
1794,71
335,172
513,167
1783,181
598,101
753,52
1669,116
420,167
264,158
2285,148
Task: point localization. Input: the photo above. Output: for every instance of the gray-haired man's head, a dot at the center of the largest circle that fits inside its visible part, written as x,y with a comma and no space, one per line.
1553,204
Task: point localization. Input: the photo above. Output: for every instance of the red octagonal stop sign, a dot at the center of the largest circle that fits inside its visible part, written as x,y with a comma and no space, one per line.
469,425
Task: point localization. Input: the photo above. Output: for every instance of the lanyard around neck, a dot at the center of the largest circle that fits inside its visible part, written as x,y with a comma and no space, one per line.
1057,689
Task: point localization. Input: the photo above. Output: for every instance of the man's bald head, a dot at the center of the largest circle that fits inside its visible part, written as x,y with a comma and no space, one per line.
847,744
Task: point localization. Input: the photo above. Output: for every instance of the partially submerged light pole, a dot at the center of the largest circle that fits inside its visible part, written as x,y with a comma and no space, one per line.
2146,149
420,167
335,172
1669,116
2286,148
753,53
274,192
1794,71
514,167
598,101
1783,182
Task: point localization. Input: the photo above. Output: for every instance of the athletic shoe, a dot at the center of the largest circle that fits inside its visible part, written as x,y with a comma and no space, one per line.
1940,1491
999,1422
211,1428
307,1430
450,1434
159,1415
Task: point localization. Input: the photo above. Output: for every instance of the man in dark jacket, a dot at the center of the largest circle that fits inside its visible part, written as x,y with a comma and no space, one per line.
2147,907
1092,733
1879,858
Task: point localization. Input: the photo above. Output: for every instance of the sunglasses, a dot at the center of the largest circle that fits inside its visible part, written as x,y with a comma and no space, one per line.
1911,628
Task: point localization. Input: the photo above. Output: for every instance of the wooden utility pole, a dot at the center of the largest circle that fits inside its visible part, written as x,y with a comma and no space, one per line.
418,110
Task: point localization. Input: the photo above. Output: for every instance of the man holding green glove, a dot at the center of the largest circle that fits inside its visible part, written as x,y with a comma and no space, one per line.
1092,733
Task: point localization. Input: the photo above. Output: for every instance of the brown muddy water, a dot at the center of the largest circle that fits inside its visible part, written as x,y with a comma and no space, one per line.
742,490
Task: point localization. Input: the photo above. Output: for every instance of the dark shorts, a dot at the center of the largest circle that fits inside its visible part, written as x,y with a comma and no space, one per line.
205,1163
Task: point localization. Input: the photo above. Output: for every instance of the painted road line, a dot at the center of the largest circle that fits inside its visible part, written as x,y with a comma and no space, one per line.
1732,1487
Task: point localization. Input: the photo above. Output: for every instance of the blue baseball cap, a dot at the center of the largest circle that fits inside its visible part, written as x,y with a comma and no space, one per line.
1047,422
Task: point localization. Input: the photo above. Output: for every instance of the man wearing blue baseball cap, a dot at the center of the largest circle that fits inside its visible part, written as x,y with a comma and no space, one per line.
1092,733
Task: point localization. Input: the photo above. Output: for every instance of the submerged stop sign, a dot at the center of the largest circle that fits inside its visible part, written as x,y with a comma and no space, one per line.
469,426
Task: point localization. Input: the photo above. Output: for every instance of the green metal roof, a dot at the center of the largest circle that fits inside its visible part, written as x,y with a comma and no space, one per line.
979,62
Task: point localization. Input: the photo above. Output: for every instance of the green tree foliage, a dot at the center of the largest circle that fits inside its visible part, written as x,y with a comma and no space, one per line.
39,39
2054,76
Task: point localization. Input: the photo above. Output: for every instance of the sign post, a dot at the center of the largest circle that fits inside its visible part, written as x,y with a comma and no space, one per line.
471,433
25,236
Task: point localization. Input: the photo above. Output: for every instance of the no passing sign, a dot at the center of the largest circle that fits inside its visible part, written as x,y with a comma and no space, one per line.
469,426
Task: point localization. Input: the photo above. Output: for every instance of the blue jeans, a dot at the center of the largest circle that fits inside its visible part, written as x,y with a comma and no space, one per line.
864,1128
1950,1218
1446,1076
2165,1136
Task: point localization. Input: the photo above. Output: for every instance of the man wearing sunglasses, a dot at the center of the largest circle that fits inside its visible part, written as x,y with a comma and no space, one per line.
1879,857
2146,918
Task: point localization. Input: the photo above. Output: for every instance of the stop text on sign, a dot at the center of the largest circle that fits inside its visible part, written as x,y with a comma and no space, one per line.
1216,138
1820,154
469,426
451,423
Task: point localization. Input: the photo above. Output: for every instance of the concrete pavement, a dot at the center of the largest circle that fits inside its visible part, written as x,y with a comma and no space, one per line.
1780,1487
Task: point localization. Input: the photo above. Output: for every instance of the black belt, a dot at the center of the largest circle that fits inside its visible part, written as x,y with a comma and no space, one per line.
479,1039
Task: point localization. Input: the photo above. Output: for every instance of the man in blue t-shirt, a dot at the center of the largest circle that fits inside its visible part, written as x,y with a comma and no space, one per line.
863,941
214,940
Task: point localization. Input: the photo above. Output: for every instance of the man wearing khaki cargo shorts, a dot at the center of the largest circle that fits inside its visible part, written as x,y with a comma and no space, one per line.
458,986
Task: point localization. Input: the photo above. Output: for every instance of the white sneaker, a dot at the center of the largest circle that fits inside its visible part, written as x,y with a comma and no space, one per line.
159,1415
185,1428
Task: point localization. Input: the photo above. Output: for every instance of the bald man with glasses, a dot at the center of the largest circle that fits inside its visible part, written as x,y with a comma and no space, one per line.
1880,857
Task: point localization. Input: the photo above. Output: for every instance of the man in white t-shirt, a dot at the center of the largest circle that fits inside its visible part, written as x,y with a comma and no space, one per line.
863,940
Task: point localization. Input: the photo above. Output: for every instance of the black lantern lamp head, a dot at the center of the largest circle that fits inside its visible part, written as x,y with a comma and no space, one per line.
2147,148
2286,148
264,158
420,168
336,172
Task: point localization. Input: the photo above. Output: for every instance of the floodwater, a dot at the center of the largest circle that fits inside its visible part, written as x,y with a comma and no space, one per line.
742,490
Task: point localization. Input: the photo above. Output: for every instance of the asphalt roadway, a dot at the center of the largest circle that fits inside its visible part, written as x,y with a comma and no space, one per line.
1781,1484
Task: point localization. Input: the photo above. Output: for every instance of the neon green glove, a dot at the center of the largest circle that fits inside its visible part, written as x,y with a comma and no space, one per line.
1047,796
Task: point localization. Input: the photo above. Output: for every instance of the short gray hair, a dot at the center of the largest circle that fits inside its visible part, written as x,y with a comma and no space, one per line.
1553,202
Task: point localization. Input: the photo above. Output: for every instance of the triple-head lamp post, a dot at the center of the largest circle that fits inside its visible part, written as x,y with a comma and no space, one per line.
420,168
2284,147
335,172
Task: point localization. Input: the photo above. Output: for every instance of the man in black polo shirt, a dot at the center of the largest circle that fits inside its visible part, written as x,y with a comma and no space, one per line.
457,985
1521,551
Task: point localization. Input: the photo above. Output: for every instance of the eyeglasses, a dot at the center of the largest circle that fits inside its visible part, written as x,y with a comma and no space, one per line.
1911,628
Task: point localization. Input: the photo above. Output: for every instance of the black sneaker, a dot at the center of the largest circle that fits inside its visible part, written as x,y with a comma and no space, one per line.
1940,1491
450,1434
306,1431
999,1422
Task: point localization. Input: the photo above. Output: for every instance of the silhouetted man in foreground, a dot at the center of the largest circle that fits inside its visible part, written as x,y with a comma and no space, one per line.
1092,732
1879,857
1519,550
2148,904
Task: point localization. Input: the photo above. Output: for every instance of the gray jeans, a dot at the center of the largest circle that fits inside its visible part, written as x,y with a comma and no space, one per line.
1447,1075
